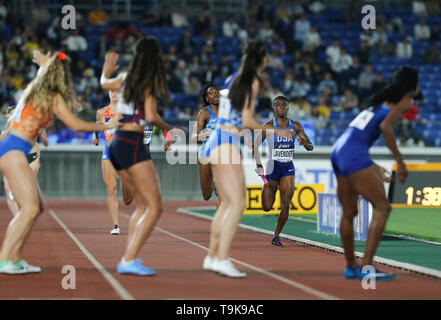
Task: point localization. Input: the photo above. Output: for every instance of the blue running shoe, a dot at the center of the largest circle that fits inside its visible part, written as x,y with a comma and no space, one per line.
136,268
276,242
351,273
378,275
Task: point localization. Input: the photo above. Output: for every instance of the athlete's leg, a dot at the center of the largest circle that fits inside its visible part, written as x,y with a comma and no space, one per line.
140,209
23,184
146,197
206,180
10,200
269,194
230,184
127,193
286,186
348,200
109,177
369,184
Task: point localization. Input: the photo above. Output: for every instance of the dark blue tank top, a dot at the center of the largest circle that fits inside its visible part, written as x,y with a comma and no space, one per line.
365,128
281,148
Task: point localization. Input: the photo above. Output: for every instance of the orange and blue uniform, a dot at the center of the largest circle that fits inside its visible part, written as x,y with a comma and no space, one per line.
107,116
28,120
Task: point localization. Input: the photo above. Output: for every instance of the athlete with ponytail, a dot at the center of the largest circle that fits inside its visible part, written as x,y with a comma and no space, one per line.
222,151
358,175
206,123
51,92
133,162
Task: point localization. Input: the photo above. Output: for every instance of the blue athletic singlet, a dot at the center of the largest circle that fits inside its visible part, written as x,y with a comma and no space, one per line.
211,124
350,152
281,154
226,115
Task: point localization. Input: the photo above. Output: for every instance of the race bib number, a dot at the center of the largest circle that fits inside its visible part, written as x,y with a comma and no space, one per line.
147,137
283,155
362,120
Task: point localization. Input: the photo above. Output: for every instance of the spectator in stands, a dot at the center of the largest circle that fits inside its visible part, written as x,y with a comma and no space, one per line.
434,33
266,32
404,49
343,63
282,14
363,53
275,92
174,84
186,115
391,49
378,83
312,40
288,84
3,12
366,35
230,27
365,80
40,15
301,87
101,47
333,52
302,28
149,18
419,8
89,80
224,69
406,128
421,30
316,75
274,61
433,7
377,35
317,7
431,55
205,55
379,50
187,55
193,86
165,18
323,108
179,19
353,12
295,9
30,45
17,39
210,42
328,82
202,25
277,45
195,66
12,56
209,74
97,16
299,109
185,41
394,25
264,102
181,72
348,101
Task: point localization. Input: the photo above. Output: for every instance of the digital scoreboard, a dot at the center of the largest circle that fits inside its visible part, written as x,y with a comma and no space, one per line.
422,187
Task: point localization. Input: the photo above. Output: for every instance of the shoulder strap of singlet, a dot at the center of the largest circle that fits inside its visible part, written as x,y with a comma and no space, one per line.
275,125
210,111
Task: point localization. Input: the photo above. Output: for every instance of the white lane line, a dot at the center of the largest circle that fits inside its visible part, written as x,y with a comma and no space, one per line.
284,280
122,292
389,262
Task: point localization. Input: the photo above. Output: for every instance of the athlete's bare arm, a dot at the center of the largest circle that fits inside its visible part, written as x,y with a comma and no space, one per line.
99,117
302,137
43,137
203,117
260,138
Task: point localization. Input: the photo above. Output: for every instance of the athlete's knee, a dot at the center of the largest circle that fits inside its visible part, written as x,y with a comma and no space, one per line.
239,203
266,206
384,207
32,210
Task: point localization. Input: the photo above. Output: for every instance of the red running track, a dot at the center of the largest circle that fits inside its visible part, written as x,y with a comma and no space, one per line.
176,250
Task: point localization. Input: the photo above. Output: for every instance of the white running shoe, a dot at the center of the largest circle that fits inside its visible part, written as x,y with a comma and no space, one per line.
115,230
226,268
22,267
208,262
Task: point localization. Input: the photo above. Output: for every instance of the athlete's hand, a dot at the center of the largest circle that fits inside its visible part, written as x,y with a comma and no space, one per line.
401,171
308,146
110,65
386,175
204,135
167,145
259,170
114,122
95,141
